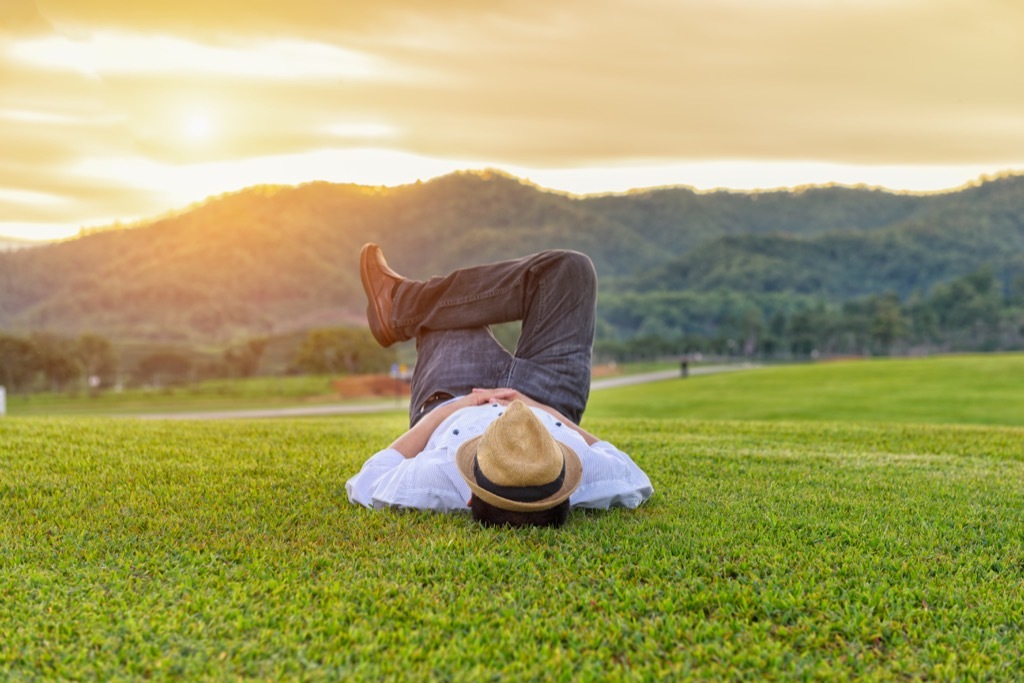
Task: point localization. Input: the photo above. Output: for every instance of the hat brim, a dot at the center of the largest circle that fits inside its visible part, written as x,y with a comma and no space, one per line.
466,455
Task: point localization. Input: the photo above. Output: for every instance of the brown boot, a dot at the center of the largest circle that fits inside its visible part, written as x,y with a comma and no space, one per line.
379,284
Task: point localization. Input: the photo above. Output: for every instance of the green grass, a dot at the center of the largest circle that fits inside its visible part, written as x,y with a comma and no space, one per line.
803,549
983,389
210,395
256,392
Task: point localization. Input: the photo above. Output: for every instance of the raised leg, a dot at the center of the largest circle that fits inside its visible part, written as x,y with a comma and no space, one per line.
553,293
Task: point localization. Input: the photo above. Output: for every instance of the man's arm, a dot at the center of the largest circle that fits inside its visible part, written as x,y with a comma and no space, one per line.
415,440
610,477
506,396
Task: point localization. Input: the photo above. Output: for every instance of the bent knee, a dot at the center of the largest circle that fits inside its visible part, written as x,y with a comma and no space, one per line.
578,267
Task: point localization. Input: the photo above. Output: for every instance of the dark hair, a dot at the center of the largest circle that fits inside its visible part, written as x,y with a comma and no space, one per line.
489,515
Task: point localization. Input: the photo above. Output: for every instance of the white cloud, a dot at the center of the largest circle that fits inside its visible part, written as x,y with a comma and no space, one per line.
107,53
17,197
132,109
360,131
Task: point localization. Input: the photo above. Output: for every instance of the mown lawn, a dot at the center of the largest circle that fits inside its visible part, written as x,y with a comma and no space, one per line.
770,550
979,389
208,395
806,548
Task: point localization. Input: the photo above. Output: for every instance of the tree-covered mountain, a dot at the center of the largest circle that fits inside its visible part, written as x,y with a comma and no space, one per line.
274,259
943,238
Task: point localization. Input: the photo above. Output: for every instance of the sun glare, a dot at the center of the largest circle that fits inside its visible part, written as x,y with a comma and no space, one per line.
196,127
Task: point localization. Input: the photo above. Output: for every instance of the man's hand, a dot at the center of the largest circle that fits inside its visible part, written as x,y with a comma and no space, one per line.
415,440
506,395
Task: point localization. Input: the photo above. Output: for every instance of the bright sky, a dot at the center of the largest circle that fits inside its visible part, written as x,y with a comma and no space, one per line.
113,110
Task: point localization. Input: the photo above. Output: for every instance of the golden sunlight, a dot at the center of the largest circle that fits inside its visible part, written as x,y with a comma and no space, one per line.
116,53
197,126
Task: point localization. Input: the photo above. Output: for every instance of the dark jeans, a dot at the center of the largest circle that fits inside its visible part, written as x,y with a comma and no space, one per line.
553,293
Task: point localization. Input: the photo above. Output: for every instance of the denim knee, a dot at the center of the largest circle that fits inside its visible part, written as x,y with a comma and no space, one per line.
577,268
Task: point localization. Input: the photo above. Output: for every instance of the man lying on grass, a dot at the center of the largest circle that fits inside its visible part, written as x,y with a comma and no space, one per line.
515,455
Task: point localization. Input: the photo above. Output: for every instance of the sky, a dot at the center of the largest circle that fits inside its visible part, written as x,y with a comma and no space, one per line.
115,111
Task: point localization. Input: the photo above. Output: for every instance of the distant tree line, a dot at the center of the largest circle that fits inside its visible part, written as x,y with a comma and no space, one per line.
53,362
46,362
977,312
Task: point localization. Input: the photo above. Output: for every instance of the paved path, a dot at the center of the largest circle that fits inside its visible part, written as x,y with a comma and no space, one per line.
382,407
626,380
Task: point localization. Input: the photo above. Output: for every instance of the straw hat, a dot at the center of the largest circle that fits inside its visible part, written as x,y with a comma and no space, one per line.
517,465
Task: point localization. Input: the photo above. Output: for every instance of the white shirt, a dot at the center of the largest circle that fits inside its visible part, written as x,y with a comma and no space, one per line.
431,481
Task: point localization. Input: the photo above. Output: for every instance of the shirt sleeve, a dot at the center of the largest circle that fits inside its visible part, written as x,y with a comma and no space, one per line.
610,479
360,487
429,481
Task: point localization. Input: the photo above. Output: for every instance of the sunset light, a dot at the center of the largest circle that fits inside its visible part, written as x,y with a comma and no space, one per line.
108,114
114,53
197,127
525,340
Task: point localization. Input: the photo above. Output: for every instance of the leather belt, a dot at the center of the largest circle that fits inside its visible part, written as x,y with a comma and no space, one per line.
433,400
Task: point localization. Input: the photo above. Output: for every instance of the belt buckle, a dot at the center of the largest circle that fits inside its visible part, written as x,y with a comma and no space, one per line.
435,397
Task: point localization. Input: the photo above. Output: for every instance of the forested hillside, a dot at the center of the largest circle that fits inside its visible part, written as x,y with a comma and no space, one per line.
674,263
942,238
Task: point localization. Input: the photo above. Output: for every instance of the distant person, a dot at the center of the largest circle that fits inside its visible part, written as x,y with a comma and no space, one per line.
495,432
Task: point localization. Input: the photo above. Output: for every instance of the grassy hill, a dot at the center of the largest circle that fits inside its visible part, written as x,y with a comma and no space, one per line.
982,389
273,260
771,550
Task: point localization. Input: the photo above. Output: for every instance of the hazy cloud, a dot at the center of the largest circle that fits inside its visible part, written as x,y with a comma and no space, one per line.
21,17
528,83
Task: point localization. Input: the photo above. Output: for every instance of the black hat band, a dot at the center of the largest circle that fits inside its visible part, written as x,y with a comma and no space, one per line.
521,494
